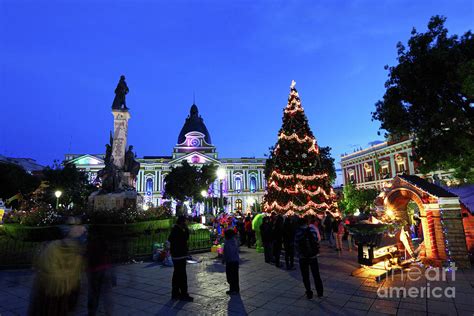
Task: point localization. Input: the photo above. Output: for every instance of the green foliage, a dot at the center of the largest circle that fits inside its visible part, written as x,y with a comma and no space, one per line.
14,179
72,182
327,162
429,95
186,182
127,215
353,199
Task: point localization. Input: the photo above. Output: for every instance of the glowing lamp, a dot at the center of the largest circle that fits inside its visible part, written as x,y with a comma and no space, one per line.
203,193
145,207
251,201
58,194
220,173
389,212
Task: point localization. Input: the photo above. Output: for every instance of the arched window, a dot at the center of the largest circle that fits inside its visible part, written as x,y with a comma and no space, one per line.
253,183
238,205
238,183
149,185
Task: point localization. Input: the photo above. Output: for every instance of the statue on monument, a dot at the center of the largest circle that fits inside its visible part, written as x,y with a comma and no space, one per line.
120,92
131,165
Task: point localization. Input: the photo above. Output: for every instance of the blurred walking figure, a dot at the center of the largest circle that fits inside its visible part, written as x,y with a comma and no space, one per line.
231,259
307,246
100,273
178,239
58,275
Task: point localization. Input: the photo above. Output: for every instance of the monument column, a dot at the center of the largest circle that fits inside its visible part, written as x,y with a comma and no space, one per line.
119,146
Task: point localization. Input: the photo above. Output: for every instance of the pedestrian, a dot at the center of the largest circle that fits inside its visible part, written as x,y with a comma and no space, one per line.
241,229
277,236
248,229
100,273
339,234
334,230
231,259
307,248
289,231
266,235
178,239
328,228
314,224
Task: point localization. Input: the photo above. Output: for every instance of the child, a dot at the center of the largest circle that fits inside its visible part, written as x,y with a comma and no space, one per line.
231,259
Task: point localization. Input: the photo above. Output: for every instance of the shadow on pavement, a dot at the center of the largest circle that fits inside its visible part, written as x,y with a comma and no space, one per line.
236,306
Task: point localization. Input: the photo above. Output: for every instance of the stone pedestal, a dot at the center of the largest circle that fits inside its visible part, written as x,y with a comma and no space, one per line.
112,201
119,146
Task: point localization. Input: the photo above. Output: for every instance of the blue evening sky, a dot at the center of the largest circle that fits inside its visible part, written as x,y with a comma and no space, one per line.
61,60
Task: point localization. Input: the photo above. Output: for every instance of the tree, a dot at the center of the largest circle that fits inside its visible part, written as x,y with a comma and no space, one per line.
72,182
186,182
327,163
14,179
357,199
430,95
297,169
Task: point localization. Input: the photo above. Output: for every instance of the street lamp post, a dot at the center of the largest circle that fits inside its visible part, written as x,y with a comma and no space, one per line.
57,194
204,195
221,177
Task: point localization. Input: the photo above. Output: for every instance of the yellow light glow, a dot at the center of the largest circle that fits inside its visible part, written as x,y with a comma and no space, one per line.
220,173
58,194
390,212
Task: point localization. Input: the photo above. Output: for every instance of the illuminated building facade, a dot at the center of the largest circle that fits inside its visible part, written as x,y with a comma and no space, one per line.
377,165
244,183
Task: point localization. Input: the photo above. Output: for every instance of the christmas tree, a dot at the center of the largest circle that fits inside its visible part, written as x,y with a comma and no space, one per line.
297,181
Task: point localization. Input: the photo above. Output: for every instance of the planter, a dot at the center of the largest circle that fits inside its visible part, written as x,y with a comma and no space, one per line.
29,233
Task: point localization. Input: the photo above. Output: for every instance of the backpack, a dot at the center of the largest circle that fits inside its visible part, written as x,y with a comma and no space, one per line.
308,246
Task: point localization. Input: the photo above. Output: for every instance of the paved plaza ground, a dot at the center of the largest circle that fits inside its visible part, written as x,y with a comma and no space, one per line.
145,289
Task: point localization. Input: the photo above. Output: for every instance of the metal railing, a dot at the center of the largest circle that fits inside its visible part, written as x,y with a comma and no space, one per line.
16,253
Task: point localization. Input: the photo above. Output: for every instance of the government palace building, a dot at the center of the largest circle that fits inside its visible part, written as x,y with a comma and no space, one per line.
244,183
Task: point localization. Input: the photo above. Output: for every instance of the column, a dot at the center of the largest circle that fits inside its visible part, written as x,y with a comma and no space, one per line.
392,166
120,136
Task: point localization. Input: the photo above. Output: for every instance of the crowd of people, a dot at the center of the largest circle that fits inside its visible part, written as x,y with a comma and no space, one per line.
60,264
291,235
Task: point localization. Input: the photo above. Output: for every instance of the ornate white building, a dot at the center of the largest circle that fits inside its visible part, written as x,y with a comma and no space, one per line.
376,166
244,183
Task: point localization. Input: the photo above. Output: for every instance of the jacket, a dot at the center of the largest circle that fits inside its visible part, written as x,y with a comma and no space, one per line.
266,232
231,250
178,239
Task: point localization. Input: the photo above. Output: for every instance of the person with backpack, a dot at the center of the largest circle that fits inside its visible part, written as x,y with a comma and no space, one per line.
307,247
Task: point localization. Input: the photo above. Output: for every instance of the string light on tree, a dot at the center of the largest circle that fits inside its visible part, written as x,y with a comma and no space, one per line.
297,180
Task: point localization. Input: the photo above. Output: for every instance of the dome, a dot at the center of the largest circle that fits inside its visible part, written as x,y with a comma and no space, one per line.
194,123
